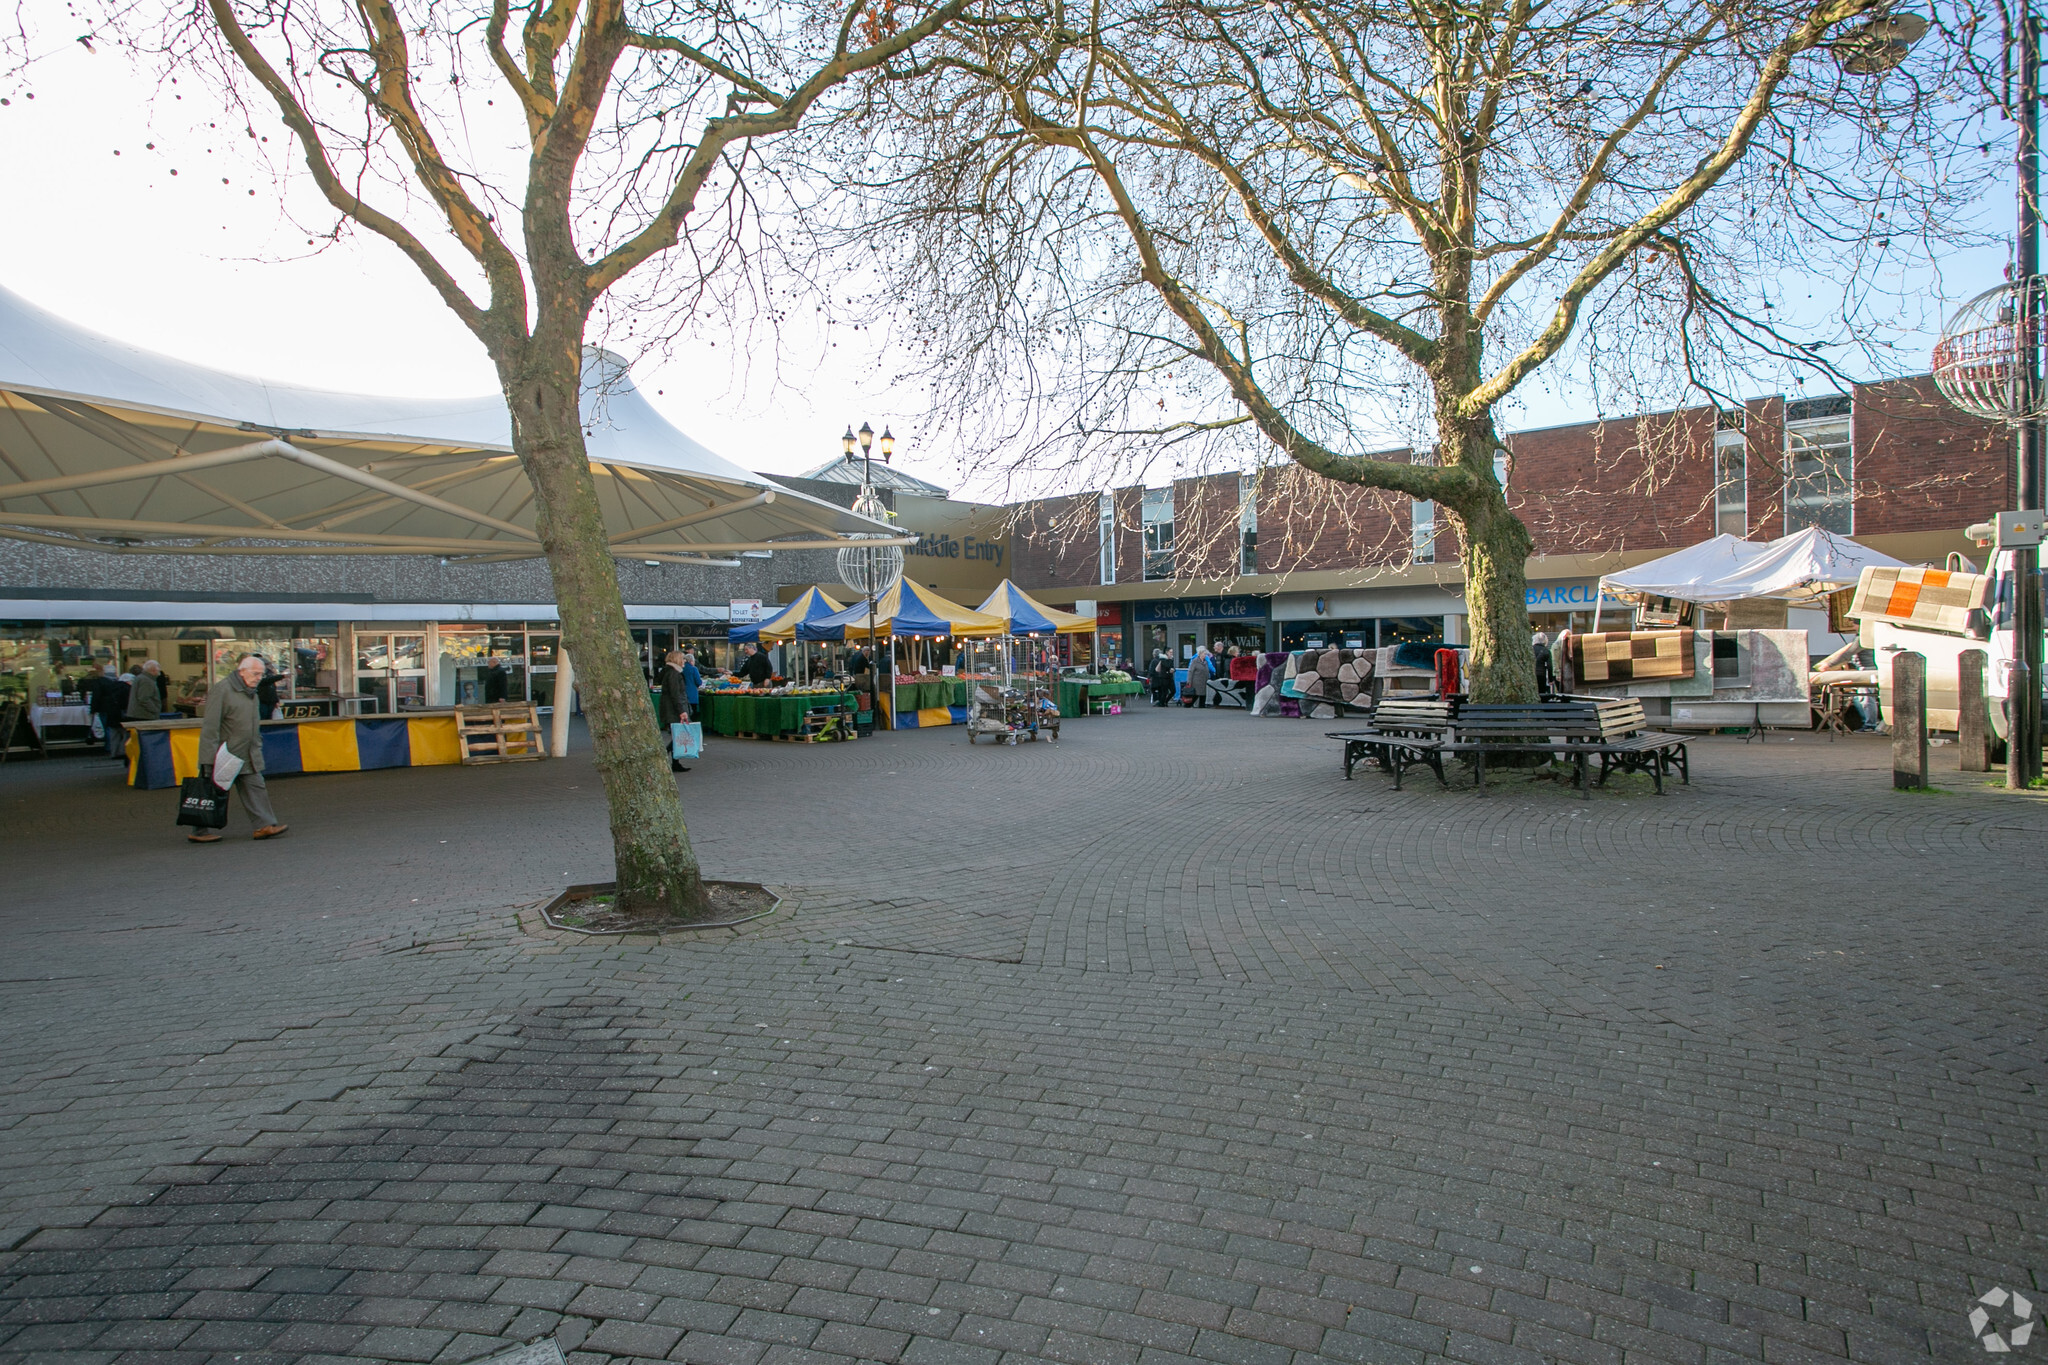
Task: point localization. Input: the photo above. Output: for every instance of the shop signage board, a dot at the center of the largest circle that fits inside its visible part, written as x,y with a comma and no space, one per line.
1204,609
745,610
1567,596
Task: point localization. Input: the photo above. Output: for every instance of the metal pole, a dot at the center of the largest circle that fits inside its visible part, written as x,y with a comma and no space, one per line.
2023,763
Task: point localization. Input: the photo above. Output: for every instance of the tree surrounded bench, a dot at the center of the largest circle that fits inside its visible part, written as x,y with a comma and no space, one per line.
1408,734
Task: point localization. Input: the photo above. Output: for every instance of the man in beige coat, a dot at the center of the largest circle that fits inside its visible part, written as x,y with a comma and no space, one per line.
234,720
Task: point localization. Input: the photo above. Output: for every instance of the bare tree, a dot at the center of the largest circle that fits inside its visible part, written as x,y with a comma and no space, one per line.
1323,222
638,119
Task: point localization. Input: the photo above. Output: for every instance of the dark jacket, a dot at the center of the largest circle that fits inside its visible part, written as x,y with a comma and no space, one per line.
145,697
674,696
109,699
757,670
232,719
266,693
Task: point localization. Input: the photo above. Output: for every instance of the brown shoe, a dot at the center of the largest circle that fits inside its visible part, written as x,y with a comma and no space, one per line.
204,836
269,831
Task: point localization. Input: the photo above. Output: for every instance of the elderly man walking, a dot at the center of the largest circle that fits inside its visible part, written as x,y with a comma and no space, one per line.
234,721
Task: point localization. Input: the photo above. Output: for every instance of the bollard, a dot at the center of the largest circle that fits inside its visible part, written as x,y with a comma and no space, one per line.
1973,714
1909,720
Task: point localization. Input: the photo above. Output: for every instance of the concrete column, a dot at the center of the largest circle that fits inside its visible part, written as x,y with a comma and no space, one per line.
1909,720
565,702
1973,715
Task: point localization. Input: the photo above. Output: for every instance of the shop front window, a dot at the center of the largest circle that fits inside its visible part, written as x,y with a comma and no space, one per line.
392,670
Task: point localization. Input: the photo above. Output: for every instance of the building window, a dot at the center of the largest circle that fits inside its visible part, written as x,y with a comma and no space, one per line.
1820,466
1158,521
1500,469
1105,532
1731,475
1247,524
1422,521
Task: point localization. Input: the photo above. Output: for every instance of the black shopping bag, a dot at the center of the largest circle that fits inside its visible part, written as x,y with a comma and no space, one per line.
201,804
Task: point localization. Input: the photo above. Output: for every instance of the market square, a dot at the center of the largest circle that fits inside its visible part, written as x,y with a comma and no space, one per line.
1160,1043
919,682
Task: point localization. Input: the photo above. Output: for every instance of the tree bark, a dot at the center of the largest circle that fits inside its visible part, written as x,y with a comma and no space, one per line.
658,874
1502,665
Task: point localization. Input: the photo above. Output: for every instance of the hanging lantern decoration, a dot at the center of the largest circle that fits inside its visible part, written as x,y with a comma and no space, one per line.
867,569
1980,362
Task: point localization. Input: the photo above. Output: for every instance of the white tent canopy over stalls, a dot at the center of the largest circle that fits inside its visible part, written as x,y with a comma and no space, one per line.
109,447
1798,567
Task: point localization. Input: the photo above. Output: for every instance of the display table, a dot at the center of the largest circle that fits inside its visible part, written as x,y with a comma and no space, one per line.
729,713
41,718
163,753
1074,697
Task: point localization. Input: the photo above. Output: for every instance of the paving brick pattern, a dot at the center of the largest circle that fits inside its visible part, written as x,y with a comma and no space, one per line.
1161,1044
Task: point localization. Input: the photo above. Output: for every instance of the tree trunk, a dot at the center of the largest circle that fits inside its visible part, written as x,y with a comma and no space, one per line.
657,871
1502,667
1496,551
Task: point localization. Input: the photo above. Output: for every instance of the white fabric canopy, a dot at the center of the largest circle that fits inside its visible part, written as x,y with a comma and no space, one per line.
1726,569
111,447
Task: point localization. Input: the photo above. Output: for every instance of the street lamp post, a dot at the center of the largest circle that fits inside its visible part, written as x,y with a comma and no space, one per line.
871,571
1988,363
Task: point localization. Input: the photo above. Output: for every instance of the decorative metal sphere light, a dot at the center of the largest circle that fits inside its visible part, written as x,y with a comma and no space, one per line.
1980,362
871,570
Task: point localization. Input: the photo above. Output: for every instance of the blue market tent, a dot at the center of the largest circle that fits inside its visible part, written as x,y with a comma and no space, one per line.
811,606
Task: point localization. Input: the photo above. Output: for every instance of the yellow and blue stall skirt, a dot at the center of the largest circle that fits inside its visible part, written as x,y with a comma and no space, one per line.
165,755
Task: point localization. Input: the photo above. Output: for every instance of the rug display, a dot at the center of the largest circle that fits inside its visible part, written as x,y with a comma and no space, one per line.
1635,656
1336,675
1932,599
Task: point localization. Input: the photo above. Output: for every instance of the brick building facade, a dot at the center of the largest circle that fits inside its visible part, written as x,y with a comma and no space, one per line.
1891,464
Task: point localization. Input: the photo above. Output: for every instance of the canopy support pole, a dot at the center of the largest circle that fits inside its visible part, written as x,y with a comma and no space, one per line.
565,702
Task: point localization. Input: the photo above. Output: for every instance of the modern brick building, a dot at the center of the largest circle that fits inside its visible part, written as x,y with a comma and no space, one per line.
1289,559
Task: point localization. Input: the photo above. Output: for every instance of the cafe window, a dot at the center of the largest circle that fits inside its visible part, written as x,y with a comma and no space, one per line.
1158,523
1820,467
1731,475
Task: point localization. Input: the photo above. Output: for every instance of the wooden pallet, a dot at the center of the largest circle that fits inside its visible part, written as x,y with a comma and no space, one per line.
503,732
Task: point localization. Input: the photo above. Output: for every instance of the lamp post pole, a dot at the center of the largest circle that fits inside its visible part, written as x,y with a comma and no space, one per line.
2023,745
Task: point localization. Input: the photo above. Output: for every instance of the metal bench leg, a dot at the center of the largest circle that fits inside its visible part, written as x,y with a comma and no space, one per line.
1479,770
1585,791
1394,759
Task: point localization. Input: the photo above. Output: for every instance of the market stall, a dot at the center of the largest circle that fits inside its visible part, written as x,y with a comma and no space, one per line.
912,620
817,712
1730,677
163,753
1029,626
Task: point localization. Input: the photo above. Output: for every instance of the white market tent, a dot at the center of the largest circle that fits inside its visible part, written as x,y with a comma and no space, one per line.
1800,566
109,447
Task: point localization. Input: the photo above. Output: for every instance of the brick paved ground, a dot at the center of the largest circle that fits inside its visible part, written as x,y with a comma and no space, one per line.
1162,1044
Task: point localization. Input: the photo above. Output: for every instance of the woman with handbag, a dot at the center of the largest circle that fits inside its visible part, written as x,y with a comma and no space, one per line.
676,696
234,722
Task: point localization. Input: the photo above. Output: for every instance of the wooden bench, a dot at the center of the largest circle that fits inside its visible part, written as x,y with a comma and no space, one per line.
1627,742
1612,729
1404,734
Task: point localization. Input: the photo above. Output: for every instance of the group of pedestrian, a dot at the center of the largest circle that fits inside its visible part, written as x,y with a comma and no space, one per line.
1205,663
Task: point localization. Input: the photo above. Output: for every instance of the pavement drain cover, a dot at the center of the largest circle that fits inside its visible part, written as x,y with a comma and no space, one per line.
542,1352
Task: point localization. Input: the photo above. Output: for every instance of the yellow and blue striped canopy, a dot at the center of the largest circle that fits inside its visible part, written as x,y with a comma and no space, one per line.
1022,614
905,609
813,605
